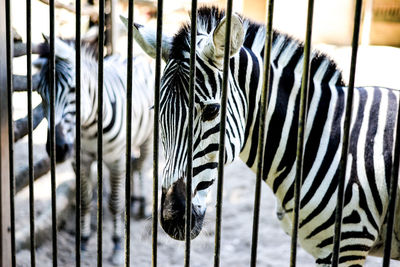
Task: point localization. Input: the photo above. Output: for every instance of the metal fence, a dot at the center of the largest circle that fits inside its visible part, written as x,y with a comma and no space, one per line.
7,189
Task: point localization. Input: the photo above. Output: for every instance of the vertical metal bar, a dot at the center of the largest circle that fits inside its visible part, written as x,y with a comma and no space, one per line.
300,133
52,135
193,35
100,138
160,7
7,182
392,198
78,132
128,135
30,131
261,141
221,146
346,133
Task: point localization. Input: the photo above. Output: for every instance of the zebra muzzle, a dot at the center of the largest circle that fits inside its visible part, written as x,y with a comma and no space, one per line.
63,148
173,212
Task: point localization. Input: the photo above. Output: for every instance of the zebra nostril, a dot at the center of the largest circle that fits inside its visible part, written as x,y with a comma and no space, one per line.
63,151
65,148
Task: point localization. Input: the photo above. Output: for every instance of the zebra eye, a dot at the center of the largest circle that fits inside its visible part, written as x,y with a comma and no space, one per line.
210,112
204,185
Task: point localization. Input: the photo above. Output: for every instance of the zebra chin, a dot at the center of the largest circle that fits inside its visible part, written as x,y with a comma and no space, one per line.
63,148
173,212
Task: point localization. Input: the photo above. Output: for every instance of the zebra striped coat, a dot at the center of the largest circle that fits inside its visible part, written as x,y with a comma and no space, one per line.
371,142
114,121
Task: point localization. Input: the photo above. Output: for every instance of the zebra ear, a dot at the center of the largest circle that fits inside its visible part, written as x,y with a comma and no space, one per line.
215,46
39,62
62,49
146,38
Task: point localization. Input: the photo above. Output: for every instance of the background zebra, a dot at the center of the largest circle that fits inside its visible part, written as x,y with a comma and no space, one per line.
371,142
114,125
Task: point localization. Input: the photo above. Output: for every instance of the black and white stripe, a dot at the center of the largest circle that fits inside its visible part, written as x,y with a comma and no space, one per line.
371,142
114,122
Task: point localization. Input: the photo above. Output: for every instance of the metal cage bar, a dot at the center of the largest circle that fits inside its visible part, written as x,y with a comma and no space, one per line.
346,135
261,141
221,146
30,131
128,135
188,219
392,198
52,133
300,134
157,85
78,133
7,158
100,137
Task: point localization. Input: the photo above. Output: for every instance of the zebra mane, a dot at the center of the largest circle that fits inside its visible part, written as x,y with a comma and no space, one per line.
64,68
89,49
209,17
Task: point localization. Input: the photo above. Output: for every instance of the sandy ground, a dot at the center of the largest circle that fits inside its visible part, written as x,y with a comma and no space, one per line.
273,248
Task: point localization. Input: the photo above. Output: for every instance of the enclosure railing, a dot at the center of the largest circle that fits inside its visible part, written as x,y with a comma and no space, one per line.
7,230
7,189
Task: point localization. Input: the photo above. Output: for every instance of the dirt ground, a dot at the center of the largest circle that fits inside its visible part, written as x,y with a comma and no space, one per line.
273,245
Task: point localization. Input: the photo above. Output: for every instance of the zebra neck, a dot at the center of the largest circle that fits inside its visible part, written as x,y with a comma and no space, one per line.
89,92
281,125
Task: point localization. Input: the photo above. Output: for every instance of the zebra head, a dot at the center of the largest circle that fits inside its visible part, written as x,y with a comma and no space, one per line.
174,116
64,95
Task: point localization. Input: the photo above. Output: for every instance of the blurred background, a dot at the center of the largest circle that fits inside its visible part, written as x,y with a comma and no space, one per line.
332,28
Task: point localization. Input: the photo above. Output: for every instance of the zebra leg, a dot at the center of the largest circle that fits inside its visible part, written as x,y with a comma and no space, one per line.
137,166
86,199
137,197
116,203
142,200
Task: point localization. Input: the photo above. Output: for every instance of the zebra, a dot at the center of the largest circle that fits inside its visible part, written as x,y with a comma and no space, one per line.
114,122
370,156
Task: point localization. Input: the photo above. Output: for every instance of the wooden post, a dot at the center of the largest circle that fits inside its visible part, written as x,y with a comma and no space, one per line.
111,26
114,24
366,23
5,223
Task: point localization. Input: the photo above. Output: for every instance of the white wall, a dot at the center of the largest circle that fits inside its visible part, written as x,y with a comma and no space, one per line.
332,22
